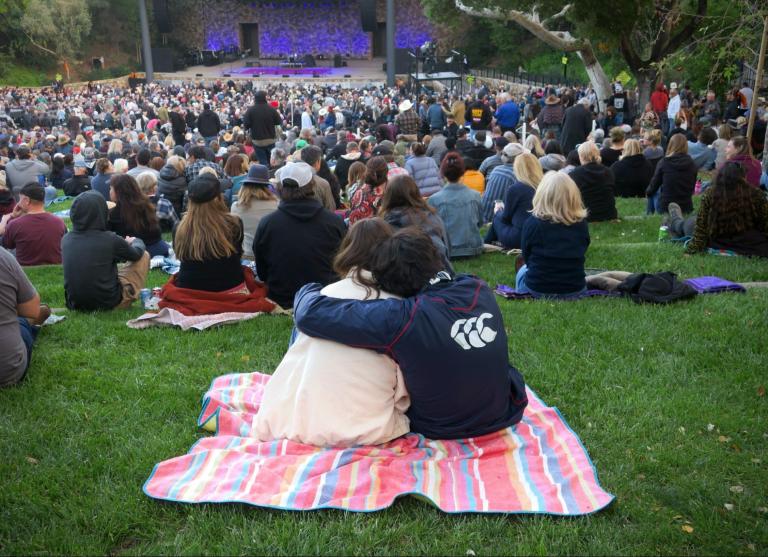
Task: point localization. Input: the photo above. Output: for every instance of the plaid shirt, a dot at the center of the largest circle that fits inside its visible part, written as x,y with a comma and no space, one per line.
165,212
408,122
192,170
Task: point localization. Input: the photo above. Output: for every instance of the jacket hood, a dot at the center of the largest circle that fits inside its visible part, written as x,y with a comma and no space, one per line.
660,87
21,165
89,212
169,172
679,161
352,156
301,210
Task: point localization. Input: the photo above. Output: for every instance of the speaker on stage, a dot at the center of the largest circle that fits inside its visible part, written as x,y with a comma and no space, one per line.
308,61
337,61
368,15
162,59
402,60
162,18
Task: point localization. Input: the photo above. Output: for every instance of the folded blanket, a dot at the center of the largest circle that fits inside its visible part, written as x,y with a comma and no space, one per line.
714,285
537,466
173,318
251,298
703,285
511,294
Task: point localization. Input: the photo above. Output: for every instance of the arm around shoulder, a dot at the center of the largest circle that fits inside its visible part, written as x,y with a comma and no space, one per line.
372,324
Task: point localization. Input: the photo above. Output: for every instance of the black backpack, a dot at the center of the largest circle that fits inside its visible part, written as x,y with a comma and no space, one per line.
656,288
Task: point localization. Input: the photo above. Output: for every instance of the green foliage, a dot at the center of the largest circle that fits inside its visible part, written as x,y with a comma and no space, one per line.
110,72
23,76
60,26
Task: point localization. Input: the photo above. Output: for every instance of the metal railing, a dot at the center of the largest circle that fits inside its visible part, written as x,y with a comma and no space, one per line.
523,78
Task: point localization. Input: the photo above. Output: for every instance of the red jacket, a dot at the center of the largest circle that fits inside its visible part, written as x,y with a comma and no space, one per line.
659,99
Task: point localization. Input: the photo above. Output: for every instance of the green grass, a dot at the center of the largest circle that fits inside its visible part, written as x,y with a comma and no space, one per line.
21,76
639,384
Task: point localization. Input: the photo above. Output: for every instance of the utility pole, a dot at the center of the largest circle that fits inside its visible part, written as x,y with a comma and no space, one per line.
758,80
391,43
145,42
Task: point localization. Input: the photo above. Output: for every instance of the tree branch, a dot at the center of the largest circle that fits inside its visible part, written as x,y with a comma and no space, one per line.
559,14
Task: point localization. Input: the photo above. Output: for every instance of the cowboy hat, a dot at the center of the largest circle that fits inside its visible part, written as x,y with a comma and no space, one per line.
323,112
551,99
405,105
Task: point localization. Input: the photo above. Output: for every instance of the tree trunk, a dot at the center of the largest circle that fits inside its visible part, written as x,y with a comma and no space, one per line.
646,81
560,40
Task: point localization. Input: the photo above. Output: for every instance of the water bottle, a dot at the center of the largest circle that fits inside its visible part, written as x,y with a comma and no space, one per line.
663,233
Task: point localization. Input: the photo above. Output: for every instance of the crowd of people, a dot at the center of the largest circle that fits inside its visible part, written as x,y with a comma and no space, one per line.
322,199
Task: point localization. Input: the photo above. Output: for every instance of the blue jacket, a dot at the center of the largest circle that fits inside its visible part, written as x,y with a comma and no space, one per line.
460,208
702,155
509,223
450,343
436,117
425,173
554,254
508,115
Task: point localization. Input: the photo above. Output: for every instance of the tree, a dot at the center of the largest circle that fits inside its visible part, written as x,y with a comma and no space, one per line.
57,27
645,32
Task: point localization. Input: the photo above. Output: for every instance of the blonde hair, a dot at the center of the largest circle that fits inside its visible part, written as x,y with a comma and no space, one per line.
533,144
120,166
654,136
178,163
631,147
558,200
3,185
169,142
208,170
147,182
206,232
678,144
249,193
588,152
115,146
528,169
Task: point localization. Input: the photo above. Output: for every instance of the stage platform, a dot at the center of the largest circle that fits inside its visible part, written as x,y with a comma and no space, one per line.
356,73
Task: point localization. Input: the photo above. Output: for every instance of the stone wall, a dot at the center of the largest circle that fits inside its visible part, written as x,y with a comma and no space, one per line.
332,26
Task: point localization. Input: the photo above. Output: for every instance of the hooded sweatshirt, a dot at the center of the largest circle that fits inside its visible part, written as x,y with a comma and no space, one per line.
676,176
19,172
90,255
294,246
172,184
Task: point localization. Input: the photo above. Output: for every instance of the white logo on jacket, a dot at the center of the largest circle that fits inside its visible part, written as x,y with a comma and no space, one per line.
472,333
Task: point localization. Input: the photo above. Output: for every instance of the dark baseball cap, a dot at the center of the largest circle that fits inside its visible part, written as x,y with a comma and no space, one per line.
204,188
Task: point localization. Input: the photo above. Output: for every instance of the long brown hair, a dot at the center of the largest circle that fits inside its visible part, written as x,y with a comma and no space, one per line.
376,171
357,249
134,208
206,232
236,165
402,192
733,210
678,144
249,193
356,172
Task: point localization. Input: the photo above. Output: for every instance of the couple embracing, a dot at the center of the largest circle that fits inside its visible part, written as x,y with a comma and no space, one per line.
398,345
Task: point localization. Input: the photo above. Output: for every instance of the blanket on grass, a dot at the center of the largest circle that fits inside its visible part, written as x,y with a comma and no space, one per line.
173,318
538,466
250,297
702,285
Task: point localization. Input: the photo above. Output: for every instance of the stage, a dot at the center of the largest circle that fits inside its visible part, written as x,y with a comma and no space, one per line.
355,73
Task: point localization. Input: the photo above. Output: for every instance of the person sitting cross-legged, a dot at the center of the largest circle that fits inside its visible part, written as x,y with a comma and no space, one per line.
31,231
447,335
92,279
329,394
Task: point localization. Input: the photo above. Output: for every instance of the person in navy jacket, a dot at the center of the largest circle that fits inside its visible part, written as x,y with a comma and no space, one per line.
446,334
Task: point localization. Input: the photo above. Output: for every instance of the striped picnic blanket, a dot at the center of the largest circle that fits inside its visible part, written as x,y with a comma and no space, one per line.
538,466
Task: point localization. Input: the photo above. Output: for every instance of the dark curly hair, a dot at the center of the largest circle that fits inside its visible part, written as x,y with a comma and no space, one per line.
404,263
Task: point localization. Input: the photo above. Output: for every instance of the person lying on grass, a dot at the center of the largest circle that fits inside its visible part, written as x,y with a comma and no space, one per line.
92,279
446,334
329,394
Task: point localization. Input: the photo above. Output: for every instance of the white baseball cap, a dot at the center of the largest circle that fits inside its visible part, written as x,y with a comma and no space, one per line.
299,172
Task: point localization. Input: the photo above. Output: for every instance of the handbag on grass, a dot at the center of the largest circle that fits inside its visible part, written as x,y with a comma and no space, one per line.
656,288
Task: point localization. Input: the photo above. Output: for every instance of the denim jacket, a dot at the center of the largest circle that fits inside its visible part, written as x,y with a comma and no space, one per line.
461,211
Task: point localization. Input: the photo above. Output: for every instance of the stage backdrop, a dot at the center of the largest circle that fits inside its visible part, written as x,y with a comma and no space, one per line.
287,27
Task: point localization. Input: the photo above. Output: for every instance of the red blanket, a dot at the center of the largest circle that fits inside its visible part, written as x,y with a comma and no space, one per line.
250,297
